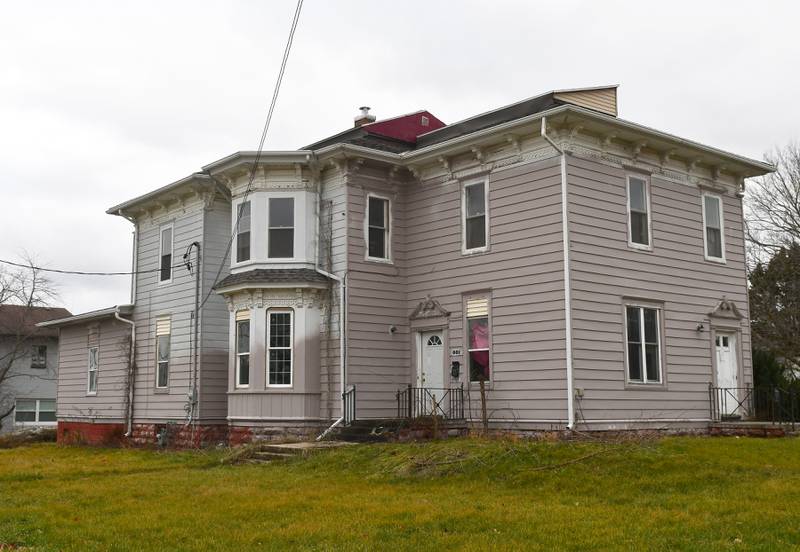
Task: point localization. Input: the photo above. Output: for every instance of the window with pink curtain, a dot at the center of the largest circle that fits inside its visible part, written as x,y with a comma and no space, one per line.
478,329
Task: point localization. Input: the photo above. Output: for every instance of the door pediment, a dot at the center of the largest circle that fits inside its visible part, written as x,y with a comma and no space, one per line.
429,308
726,309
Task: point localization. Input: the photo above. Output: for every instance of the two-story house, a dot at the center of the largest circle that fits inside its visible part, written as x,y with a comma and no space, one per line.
28,367
586,271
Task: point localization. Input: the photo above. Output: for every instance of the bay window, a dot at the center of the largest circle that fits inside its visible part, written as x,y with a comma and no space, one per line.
280,239
243,348
643,340
243,233
478,339
279,348
713,235
377,228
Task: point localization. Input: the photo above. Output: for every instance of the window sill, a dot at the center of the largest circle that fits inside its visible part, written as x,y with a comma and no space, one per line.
478,251
716,260
640,247
91,393
646,386
378,260
161,390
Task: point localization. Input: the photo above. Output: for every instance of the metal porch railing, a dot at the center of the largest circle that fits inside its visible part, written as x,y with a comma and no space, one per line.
418,402
762,404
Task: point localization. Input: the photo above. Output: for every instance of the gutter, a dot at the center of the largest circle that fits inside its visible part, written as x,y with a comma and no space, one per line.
342,306
131,372
567,284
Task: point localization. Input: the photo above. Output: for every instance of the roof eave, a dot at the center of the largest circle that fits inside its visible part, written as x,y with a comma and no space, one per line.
125,310
196,178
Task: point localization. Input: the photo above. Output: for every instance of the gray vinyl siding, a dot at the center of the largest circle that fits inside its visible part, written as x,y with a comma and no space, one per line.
522,273
112,341
605,270
174,299
333,257
377,360
215,317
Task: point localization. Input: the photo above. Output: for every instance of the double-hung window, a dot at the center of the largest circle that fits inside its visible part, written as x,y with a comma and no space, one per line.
163,330
475,228
279,348
39,356
377,228
243,348
91,385
243,233
165,255
34,411
638,212
643,337
478,339
281,228
713,236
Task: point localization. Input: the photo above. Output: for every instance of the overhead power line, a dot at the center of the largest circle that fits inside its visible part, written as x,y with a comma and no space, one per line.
82,272
264,131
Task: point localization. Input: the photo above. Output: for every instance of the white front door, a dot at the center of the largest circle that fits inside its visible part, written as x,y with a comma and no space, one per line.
432,365
727,373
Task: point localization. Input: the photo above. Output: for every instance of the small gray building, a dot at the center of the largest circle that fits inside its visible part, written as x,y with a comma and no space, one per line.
28,367
584,270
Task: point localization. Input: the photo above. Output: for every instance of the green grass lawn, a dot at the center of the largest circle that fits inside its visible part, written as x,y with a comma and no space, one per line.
466,494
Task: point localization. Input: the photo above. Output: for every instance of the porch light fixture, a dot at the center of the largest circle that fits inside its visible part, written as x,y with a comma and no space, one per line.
700,327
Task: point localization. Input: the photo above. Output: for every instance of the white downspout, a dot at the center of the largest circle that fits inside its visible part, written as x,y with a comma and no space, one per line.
567,285
131,372
342,303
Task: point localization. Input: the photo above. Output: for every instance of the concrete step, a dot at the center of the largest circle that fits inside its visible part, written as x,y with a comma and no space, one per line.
272,456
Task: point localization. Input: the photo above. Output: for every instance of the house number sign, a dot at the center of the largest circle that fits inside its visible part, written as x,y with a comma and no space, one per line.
455,352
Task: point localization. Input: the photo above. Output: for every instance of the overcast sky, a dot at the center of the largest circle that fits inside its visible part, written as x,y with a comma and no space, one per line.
103,101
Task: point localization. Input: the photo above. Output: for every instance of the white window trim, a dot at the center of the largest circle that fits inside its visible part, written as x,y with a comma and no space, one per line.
390,224
661,356
631,243
161,229
236,231
720,260
38,411
270,227
238,355
464,186
291,348
89,370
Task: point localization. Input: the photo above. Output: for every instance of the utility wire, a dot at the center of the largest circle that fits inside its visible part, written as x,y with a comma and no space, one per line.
83,272
260,148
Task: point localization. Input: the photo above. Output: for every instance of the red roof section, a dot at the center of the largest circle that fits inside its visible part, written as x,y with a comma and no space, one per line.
405,127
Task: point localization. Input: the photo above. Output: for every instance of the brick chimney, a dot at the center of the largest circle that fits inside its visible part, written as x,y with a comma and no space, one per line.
364,118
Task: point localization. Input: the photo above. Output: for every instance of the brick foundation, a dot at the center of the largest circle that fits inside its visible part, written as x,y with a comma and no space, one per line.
178,435
89,433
